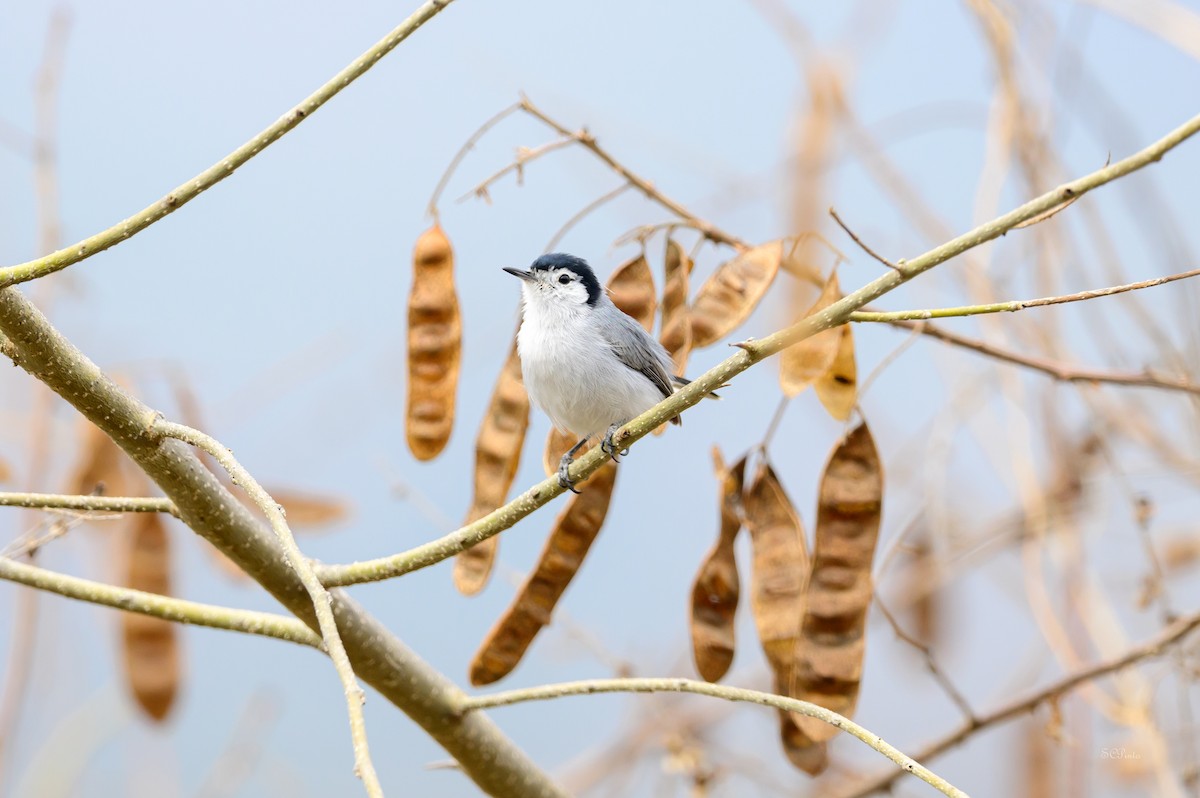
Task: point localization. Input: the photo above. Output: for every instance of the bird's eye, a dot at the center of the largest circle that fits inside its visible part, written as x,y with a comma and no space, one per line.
564,278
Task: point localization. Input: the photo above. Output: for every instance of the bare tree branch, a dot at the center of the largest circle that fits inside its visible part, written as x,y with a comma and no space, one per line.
165,607
651,685
98,504
363,766
1015,305
1153,648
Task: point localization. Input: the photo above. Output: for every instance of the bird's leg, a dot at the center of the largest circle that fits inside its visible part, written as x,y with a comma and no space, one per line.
564,478
608,446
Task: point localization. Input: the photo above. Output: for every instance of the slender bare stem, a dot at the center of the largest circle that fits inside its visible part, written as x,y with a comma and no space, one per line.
647,188
525,155
1015,305
96,504
186,192
1063,372
650,685
1152,648
467,146
861,244
303,568
931,664
166,607
583,213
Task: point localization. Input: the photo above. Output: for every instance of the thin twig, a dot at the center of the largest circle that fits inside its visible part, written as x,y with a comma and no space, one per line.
931,665
1153,648
710,231
467,146
1064,372
31,543
861,244
583,213
776,420
751,353
640,685
643,232
1015,305
303,568
168,608
188,191
525,155
96,504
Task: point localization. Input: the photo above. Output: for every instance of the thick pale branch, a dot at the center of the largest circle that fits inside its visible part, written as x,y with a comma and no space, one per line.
382,660
188,191
752,352
1153,648
165,607
591,687
96,504
1015,305
316,591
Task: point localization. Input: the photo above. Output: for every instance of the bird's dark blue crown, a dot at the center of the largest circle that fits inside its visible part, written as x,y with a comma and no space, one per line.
561,260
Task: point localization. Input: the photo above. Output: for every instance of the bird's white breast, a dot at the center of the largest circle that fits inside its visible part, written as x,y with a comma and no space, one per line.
571,372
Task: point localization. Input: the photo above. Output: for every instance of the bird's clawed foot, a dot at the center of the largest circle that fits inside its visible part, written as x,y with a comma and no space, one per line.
564,477
609,447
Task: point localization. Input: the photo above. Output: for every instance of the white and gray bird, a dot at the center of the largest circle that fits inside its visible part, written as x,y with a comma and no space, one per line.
587,364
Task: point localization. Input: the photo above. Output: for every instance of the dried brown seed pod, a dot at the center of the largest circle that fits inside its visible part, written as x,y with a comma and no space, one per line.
434,345
779,572
150,646
728,297
497,455
716,589
574,530
632,290
675,333
837,388
803,363
833,641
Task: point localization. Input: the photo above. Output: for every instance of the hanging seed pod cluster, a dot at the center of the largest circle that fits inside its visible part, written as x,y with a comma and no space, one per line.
809,609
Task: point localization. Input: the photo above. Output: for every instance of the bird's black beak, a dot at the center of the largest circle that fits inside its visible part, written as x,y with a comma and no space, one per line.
526,276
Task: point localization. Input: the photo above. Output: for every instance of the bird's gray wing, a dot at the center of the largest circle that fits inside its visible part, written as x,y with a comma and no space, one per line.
640,352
